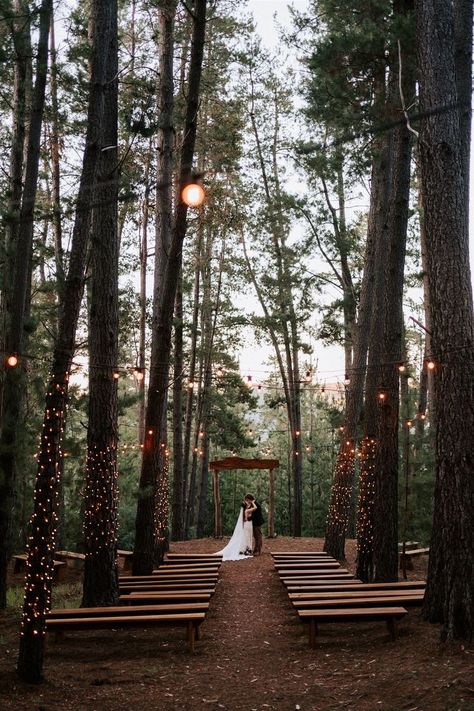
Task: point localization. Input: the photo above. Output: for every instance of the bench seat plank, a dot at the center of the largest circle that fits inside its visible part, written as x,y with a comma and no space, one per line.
122,610
348,594
162,597
409,600
356,585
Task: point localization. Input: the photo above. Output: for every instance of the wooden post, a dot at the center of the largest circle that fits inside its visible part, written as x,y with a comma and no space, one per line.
217,507
271,504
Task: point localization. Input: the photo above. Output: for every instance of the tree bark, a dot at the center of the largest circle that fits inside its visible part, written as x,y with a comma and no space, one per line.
178,489
151,514
387,459
381,174
101,492
449,595
44,519
14,382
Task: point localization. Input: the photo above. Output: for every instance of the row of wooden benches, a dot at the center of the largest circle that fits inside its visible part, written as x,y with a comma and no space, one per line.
178,593
321,590
68,558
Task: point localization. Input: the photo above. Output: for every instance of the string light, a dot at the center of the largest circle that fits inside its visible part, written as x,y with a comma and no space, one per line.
402,368
365,525
138,374
193,195
341,491
382,397
116,375
431,365
12,361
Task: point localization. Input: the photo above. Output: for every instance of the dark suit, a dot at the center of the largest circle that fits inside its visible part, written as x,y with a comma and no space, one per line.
257,522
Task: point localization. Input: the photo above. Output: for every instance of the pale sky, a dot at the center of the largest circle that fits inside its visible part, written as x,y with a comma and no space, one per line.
330,360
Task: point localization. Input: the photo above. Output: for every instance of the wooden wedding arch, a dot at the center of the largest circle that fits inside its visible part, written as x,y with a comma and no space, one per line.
219,465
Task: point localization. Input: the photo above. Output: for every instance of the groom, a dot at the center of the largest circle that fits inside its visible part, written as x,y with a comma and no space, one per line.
257,521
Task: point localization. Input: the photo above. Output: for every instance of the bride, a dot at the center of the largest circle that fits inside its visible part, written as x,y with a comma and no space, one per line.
241,542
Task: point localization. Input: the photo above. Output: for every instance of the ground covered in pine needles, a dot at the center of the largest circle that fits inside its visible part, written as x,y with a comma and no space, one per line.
253,656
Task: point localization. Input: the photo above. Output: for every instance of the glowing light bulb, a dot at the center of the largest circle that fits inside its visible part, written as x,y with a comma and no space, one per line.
431,365
193,195
138,374
12,360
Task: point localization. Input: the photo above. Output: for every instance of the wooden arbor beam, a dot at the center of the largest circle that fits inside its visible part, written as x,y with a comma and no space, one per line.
231,463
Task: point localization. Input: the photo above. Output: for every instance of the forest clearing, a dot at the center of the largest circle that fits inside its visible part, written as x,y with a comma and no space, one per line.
236,310
253,655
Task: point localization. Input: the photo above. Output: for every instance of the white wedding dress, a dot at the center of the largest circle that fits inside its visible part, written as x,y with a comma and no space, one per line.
239,541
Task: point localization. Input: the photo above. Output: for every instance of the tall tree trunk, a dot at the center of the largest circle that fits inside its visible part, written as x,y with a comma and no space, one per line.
449,596
387,459
190,397
44,519
55,171
14,383
178,489
143,250
150,532
101,494
380,193
149,520
342,487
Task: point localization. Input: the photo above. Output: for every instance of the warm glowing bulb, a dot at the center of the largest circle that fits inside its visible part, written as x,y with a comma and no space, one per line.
138,373
193,195
116,375
381,396
401,368
12,360
430,365
190,385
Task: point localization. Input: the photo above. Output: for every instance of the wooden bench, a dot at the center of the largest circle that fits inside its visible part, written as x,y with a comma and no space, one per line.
19,565
71,558
307,566
333,594
413,599
184,570
198,556
292,554
190,620
184,587
117,611
389,615
126,557
169,578
311,578
354,585
409,545
153,578
141,598
409,555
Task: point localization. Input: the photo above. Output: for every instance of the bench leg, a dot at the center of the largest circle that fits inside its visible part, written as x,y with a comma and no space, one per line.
191,636
313,630
198,632
392,628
